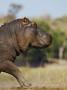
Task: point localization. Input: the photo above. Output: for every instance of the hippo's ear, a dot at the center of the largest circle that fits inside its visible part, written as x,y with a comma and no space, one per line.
25,20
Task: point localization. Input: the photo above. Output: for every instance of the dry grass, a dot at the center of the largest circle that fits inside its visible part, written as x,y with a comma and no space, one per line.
51,77
33,88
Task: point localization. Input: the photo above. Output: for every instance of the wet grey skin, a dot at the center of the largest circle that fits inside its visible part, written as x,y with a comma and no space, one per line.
15,38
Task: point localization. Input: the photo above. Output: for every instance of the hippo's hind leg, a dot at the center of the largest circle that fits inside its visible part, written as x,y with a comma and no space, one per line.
9,67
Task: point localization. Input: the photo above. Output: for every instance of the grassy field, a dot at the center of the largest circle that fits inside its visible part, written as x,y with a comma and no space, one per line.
51,77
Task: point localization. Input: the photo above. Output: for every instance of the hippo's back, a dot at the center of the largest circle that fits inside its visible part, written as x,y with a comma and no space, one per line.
7,37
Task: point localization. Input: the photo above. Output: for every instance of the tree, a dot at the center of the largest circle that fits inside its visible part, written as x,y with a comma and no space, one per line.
14,9
58,43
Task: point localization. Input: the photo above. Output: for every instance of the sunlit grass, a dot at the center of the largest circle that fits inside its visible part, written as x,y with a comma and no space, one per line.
51,77
35,89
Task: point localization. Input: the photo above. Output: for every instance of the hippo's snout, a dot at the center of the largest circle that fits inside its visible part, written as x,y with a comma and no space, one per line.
48,40
45,39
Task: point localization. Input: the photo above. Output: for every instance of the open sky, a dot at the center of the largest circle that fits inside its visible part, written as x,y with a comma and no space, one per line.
54,8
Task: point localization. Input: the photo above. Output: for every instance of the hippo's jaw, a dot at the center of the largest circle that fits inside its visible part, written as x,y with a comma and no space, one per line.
45,40
42,40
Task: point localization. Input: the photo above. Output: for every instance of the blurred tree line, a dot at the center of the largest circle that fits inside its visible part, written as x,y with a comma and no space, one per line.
56,27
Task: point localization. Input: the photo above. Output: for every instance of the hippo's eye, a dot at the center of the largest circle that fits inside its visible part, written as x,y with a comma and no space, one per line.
34,24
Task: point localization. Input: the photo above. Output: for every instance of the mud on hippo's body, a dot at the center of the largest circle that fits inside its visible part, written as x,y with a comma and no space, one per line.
16,37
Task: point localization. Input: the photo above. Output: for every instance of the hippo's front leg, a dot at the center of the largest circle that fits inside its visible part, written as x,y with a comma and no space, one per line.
9,67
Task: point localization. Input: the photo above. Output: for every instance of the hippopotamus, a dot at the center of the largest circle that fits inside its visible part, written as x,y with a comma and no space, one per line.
15,38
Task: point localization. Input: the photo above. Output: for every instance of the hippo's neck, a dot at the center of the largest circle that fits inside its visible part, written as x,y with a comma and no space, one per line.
23,44
14,38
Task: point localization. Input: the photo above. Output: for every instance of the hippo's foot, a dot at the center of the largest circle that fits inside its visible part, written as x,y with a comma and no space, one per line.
26,85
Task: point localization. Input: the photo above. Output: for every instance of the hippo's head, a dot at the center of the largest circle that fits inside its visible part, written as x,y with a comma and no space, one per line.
41,39
31,35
